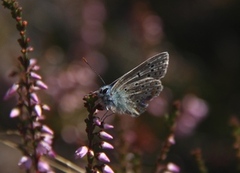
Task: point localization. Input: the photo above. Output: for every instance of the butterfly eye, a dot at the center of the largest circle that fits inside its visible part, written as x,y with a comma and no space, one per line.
104,91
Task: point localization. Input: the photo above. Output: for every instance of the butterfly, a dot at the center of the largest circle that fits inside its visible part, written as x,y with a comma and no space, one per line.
130,93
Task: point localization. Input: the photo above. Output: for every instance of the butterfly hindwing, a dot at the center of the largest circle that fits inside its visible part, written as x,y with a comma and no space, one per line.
134,96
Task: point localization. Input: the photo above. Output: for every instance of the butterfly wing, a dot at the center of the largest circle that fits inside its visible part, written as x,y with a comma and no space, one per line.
131,91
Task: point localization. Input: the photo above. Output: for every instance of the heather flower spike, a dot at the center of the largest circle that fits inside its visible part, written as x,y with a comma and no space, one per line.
37,138
96,145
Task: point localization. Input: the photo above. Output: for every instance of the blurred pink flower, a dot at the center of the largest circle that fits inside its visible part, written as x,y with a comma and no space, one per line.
11,91
193,110
25,162
15,112
173,168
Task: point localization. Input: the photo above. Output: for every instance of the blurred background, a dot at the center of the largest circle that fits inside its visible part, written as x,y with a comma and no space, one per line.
203,41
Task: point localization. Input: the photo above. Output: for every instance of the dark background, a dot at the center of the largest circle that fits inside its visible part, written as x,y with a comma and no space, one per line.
202,38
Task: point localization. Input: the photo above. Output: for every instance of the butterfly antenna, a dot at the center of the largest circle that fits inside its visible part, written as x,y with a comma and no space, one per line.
106,115
85,60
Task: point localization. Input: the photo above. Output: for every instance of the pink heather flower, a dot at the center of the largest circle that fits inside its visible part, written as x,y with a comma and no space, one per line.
25,162
103,157
36,68
43,167
171,139
45,107
34,97
105,135
46,129
97,121
11,91
173,167
43,148
107,169
35,75
52,154
36,124
32,61
47,138
81,152
41,84
15,112
38,110
91,153
106,145
107,126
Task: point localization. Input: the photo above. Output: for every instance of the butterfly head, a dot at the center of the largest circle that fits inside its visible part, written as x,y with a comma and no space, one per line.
103,91
104,96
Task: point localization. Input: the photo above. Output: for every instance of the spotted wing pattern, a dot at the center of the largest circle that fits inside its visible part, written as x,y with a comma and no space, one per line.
131,92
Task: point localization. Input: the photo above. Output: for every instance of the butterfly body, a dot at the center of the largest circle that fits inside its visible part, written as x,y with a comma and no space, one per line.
130,93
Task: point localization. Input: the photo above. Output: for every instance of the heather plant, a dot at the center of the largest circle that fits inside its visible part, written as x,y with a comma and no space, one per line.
37,137
105,147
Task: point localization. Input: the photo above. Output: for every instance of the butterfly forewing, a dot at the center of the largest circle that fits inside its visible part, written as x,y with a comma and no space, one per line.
131,91
154,67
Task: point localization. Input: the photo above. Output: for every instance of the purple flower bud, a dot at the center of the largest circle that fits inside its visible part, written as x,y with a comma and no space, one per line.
43,167
52,154
35,75
35,68
106,145
41,84
36,124
81,152
32,61
45,107
107,169
97,121
15,112
34,97
38,110
105,135
91,153
47,138
11,91
43,148
103,157
25,162
46,129
173,167
107,126
171,139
